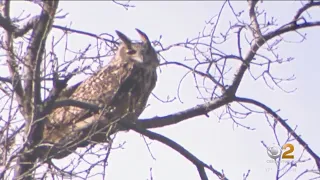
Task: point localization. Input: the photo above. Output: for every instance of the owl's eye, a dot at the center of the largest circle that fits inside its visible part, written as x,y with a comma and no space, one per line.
131,51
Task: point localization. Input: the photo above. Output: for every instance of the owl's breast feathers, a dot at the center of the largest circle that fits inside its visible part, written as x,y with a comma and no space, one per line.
119,88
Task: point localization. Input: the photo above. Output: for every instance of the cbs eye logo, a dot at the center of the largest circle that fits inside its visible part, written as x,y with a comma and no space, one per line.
275,152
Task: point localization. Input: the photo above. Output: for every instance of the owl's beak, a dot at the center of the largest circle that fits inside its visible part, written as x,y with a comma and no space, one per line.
138,59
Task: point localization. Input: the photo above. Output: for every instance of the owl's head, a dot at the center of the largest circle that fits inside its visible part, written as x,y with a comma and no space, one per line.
141,53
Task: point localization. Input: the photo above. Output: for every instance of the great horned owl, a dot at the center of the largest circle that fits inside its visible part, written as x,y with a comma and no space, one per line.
121,89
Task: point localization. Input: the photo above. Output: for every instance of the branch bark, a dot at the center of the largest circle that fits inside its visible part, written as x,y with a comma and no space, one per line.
6,79
32,97
6,24
175,118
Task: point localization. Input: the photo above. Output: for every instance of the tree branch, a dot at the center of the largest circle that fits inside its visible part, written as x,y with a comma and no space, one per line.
292,26
284,124
155,136
196,72
6,79
6,24
254,19
79,104
157,122
140,129
59,90
147,123
175,118
18,32
8,46
86,33
33,59
305,8
32,98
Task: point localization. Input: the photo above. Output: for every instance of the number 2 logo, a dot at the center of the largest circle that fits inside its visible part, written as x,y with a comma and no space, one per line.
288,149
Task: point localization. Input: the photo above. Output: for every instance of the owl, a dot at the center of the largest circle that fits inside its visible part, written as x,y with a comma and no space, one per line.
121,89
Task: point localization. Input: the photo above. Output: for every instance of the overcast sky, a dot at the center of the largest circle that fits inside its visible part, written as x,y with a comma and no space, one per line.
219,143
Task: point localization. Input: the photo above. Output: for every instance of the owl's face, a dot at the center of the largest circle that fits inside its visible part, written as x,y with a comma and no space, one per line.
141,53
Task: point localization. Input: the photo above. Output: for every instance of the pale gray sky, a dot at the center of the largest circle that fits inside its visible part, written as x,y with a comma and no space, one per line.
233,149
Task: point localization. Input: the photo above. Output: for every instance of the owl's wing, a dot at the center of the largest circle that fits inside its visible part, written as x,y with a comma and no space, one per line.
100,89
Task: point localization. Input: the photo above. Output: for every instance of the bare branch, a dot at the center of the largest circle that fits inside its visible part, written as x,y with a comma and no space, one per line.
261,41
18,32
155,136
59,91
70,102
6,79
87,34
253,17
284,124
175,118
206,75
6,24
12,65
32,96
124,5
304,8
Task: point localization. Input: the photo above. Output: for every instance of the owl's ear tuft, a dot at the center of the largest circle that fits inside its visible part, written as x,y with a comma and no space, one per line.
144,38
126,41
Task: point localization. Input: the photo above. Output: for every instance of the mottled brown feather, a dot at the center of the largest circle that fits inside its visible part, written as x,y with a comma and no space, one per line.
122,88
